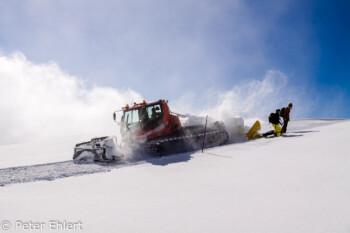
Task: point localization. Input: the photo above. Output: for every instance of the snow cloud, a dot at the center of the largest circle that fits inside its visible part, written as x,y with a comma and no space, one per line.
253,99
250,99
41,101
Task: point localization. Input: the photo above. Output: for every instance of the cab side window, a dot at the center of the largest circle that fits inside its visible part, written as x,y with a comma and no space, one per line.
155,115
131,121
154,111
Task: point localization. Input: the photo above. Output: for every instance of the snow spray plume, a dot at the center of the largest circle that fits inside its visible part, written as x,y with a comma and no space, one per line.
251,101
41,101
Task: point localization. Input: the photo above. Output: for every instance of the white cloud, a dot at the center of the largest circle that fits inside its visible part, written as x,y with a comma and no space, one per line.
42,101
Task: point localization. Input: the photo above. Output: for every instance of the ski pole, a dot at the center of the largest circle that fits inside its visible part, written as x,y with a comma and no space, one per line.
205,131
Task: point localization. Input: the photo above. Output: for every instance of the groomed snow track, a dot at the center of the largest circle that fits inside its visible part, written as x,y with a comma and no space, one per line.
58,170
48,171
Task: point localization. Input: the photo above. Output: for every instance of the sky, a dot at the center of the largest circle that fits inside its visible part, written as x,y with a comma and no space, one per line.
243,58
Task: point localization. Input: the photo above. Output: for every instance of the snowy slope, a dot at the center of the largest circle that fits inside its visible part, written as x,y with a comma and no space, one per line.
296,183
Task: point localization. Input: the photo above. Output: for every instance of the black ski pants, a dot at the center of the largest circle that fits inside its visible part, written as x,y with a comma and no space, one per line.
285,124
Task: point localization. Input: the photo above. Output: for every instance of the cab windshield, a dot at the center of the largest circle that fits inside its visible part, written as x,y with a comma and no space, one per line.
142,119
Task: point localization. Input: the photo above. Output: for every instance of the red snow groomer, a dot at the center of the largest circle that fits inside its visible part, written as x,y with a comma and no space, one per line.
152,128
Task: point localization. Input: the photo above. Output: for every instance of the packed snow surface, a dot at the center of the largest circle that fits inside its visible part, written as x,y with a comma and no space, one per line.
295,183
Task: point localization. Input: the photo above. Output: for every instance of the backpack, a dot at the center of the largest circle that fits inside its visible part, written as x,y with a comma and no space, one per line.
273,118
282,112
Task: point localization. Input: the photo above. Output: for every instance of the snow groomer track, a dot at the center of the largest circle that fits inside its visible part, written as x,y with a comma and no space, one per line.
58,170
49,171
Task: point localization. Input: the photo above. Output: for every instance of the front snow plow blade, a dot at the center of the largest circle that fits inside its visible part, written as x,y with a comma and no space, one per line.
103,149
